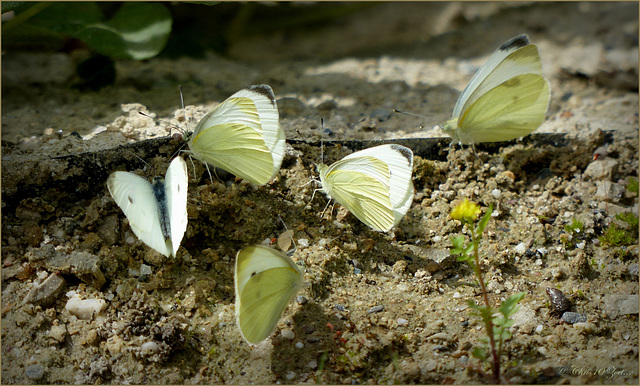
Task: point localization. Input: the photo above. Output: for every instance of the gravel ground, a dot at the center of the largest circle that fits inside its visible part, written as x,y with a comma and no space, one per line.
84,301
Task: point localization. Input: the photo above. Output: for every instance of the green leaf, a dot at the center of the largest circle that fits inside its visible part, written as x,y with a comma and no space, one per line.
484,221
137,31
509,306
479,353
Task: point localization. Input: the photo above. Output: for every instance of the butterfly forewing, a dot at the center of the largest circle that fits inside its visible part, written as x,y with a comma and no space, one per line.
494,61
525,60
176,184
528,99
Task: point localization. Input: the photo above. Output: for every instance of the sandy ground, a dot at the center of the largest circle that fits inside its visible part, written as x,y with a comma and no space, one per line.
379,307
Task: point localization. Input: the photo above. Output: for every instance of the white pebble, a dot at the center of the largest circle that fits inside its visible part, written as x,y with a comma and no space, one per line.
288,334
290,375
402,321
299,345
312,364
496,193
581,245
437,238
456,295
520,249
85,309
303,243
149,348
539,328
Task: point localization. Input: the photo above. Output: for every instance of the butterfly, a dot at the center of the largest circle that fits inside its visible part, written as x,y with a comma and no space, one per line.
242,135
374,184
266,280
157,212
506,99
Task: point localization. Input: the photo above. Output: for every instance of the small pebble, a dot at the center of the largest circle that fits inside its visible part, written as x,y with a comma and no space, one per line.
301,299
357,271
299,345
339,307
539,328
85,309
303,243
496,193
574,317
288,334
149,348
559,301
34,372
312,364
290,375
375,309
402,321
145,272
456,295
520,249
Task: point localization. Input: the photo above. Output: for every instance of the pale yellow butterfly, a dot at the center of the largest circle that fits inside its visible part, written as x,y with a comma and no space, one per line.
266,280
242,135
374,184
506,99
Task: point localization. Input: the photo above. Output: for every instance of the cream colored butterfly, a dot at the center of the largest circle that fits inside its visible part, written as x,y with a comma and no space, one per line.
156,212
374,184
266,281
506,99
242,135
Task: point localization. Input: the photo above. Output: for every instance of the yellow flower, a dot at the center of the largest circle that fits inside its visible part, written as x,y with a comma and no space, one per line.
465,210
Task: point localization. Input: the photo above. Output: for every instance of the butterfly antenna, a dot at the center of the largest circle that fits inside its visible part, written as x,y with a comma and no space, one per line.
181,97
321,140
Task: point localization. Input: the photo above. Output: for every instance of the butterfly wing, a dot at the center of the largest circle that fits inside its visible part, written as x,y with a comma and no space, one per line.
495,69
134,195
242,135
176,184
265,282
490,121
361,184
399,160
506,99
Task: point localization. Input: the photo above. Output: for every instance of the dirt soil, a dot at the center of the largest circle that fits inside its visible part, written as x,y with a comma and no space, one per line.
380,307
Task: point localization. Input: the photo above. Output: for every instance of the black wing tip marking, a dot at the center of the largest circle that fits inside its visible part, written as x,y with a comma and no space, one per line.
517,42
265,90
405,151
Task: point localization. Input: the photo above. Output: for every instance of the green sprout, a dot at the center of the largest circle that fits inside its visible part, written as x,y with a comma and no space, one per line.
575,231
496,321
617,235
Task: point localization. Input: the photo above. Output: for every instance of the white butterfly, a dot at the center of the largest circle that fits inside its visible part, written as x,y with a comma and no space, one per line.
156,212
374,184
506,99
265,281
242,135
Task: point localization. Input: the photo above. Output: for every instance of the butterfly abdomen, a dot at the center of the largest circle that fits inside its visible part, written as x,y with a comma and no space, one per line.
161,196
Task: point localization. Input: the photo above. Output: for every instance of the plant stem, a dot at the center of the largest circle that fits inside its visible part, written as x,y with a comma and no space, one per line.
487,322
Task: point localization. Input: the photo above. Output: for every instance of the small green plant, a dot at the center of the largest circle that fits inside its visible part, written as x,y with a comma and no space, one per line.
496,321
575,231
617,235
